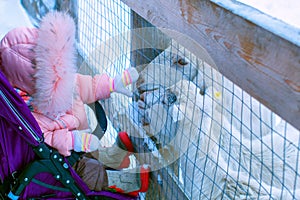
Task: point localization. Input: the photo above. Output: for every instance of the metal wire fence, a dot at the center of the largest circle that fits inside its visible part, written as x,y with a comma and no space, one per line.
203,136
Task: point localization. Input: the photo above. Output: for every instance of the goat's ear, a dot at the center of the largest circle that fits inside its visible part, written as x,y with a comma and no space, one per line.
177,113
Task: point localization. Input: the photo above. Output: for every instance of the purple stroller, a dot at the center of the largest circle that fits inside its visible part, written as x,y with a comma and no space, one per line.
29,168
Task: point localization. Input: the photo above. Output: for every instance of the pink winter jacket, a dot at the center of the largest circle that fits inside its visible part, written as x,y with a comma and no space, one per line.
18,63
57,132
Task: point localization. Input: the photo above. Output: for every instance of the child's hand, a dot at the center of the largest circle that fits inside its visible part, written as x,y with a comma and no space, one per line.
84,142
119,83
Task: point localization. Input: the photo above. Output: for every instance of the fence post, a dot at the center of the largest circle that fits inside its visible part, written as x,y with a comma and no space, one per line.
162,185
140,57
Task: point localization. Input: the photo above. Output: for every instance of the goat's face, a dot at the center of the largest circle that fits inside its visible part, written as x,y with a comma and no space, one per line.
172,116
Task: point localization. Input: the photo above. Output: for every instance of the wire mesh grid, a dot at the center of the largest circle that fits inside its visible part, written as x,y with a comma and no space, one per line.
203,136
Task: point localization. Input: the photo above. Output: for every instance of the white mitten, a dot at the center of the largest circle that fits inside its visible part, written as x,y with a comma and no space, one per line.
119,83
84,142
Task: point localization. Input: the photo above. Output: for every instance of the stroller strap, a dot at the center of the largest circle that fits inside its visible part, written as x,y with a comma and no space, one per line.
8,183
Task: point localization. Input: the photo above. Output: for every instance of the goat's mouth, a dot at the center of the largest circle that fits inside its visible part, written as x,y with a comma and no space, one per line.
151,94
150,97
149,87
155,102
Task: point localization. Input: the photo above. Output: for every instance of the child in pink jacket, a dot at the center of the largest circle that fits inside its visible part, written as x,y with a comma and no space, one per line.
41,63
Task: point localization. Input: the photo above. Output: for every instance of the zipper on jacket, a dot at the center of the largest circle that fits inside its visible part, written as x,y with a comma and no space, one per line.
20,118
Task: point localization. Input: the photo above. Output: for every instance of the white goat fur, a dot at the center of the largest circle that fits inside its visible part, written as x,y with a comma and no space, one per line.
231,146
225,164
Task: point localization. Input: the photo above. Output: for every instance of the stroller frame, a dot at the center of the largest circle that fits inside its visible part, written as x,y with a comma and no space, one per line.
49,161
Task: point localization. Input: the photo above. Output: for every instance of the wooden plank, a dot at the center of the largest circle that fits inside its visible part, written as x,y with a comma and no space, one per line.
258,53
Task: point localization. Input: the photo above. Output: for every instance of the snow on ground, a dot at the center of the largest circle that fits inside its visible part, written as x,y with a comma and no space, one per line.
12,15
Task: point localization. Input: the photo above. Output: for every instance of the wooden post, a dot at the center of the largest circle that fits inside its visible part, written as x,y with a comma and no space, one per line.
143,56
166,188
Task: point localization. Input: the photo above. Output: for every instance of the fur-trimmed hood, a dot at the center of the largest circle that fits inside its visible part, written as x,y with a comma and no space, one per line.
56,64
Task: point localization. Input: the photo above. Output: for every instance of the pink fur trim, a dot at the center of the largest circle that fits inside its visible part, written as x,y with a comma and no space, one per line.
56,64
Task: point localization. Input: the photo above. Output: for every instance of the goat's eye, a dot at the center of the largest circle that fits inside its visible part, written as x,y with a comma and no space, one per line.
182,61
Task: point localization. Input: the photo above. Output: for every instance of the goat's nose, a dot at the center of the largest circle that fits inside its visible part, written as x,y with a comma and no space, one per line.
169,98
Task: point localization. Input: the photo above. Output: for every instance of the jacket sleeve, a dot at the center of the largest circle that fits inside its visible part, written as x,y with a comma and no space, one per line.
61,140
91,89
58,133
